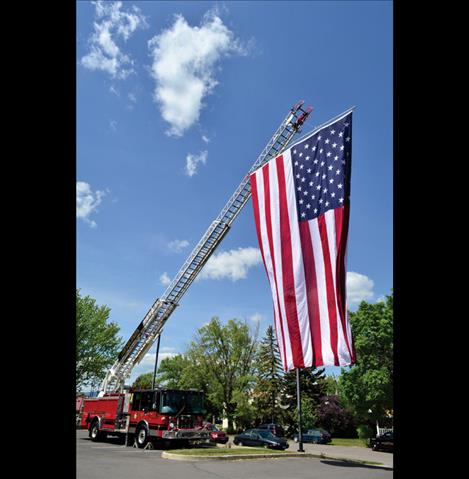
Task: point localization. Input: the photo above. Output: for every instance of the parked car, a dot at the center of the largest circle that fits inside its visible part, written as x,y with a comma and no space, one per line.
260,438
315,436
275,429
384,442
216,435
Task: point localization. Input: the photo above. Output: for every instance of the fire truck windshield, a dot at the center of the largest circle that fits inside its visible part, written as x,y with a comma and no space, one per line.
182,402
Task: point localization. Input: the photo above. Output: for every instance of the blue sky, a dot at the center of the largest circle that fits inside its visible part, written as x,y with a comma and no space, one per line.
175,101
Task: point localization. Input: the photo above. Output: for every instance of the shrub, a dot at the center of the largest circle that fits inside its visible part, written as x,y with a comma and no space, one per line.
364,431
334,418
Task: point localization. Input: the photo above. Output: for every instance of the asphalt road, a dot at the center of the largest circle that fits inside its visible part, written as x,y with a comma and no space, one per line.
110,460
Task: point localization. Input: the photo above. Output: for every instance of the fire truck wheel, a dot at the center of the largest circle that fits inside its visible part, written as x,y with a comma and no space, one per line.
142,436
95,433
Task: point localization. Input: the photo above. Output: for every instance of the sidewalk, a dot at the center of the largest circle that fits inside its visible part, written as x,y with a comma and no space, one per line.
346,452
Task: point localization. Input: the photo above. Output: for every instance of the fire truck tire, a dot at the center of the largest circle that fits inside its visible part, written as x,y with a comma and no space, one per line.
141,436
95,434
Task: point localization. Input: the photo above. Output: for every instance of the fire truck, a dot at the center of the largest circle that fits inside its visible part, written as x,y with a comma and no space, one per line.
160,414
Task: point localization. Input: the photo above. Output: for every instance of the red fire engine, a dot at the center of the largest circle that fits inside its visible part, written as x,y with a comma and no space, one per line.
161,415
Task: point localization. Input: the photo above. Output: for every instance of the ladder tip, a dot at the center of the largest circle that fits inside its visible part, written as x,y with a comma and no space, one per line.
297,105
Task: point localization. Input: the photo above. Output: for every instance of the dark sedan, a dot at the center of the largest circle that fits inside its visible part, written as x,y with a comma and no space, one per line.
384,442
315,436
275,429
260,438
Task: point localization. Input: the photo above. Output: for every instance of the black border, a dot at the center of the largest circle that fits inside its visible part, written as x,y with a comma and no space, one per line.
424,234
42,278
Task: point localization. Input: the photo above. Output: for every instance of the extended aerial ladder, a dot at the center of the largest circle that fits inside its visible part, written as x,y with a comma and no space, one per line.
152,324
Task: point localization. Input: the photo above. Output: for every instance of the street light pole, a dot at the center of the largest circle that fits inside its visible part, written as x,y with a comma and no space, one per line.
298,395
156,361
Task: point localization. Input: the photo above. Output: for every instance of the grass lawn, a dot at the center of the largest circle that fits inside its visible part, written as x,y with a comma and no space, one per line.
219,451
337,441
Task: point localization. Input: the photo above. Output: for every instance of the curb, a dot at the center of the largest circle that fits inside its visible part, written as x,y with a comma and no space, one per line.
225,457
182,457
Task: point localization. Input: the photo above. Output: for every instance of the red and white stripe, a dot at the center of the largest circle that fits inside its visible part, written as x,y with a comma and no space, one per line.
306,266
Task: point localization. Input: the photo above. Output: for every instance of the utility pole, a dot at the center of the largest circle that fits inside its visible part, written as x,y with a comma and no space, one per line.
298,395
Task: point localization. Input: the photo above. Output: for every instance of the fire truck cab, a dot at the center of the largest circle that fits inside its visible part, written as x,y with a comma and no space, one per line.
166,416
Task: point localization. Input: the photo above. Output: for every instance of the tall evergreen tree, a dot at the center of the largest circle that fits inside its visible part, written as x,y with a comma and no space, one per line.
269,379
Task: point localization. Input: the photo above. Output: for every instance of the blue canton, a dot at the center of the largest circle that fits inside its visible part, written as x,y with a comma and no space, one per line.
321,169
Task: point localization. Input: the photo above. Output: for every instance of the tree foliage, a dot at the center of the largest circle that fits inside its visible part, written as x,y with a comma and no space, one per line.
97,342
335,418
144,381
309,414
332,385
177,373
368,385
225,356
268,382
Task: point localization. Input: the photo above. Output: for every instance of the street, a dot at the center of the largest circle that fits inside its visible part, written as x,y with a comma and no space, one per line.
111,460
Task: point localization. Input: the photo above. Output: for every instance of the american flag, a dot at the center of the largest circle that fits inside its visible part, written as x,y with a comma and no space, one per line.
301,203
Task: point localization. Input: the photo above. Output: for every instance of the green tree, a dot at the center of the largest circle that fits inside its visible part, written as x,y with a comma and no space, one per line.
144,381
177,372
245,412
332,385
224,357
97,342
268,383
309,413
368,385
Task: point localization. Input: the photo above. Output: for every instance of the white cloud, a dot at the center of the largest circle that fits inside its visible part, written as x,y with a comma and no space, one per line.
165,279
168,349
113,23
193,160
359,288
87,202
178,245
149,358
232,264
256,318
113,125
206,139
147,364
184,63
